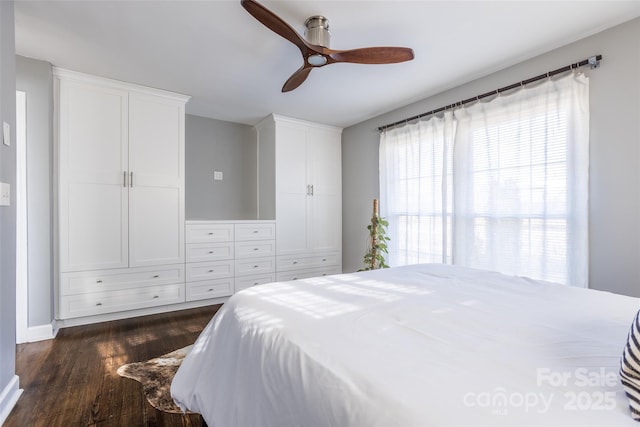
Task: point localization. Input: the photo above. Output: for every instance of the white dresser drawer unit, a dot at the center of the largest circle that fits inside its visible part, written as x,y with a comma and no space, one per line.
255,231
199,252
209,233
90,304
245,282
109,280
245,267
291,262
305,274
210,289
209,270
256,248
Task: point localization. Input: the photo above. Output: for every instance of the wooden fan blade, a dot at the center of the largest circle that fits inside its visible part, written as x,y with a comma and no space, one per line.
296,79
373,55
274,23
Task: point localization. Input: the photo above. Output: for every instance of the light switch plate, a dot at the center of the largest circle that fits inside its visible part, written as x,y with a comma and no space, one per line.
217,175
6,133
5,194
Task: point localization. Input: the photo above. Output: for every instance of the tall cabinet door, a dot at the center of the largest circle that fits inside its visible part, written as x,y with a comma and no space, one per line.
325,175
92,210
156,181
292,185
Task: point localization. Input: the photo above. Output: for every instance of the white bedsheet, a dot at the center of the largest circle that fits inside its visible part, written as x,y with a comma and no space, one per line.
425,345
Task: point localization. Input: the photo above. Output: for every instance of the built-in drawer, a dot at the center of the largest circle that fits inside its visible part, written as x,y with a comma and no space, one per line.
199,252
91,304
210,289
253,266
255,248
284,276
245,282
209,270
209,233
255,231
108,280
290,262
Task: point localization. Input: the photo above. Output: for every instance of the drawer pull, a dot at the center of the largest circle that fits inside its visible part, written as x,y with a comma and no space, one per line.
324,274
99,303
295,278
98,281
211,252
211,271
255,231
155,276
156,296
210,234
210,290
256,249
255,283
324,259
295,262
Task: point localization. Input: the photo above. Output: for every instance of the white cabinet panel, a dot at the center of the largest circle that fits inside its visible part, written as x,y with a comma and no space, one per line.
209,270
199,252
245,282
210,289
113,279
255,231
95,303
255,266
208,233
92,159
156,234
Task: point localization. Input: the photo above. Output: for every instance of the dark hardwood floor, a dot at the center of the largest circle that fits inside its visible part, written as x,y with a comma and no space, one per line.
72,380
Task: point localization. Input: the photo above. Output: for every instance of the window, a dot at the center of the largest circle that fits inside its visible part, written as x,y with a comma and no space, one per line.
500,185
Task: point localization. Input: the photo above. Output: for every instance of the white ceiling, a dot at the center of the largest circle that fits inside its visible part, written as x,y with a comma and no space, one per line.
234,67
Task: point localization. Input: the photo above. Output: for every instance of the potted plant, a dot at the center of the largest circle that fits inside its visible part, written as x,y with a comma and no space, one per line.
377,243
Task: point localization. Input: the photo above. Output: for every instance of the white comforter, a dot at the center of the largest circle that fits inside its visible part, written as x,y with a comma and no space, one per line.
425,345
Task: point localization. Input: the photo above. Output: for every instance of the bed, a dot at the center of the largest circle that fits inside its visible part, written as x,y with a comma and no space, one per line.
423,345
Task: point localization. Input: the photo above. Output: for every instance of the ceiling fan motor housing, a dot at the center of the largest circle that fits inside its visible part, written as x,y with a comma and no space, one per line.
317,31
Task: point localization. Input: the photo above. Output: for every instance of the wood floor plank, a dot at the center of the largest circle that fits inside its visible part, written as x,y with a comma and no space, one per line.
72,380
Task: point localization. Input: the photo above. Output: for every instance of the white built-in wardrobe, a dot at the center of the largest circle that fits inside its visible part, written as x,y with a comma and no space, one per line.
120,195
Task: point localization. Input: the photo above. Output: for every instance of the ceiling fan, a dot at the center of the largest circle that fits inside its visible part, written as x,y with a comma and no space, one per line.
315,45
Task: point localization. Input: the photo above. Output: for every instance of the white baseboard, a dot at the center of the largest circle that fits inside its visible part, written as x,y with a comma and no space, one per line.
9,397
42,332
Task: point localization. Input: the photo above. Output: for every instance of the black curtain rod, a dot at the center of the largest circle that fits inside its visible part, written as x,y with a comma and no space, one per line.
593,61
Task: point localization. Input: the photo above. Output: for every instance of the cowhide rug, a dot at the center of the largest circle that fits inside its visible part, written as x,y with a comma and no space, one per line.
156,375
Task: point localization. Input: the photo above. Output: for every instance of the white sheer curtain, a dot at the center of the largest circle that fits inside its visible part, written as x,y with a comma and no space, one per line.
415,190
499,185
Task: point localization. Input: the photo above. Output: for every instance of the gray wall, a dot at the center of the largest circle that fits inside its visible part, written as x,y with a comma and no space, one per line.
614,155
34,77
7,213
221,146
